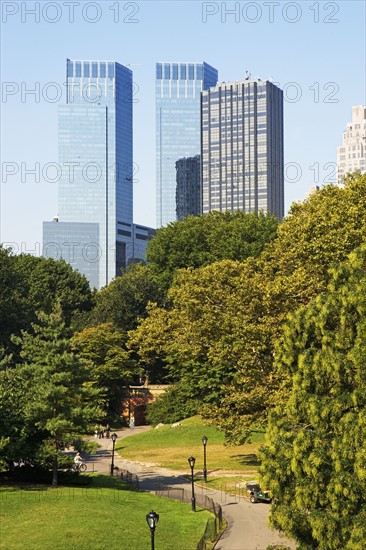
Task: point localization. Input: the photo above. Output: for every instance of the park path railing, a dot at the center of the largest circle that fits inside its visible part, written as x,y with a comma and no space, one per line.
130,478
213,526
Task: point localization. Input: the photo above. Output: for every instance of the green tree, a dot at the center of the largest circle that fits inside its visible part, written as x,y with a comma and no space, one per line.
13,391
12,307
111,364
123,302
215,328
29,284
218,329
46,282
175,404
315,455
198,241
58,398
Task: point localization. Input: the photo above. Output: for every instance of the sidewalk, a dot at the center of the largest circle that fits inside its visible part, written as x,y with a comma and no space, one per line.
247,528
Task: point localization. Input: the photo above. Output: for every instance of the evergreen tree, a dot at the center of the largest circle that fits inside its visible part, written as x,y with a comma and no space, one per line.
59,401
315,456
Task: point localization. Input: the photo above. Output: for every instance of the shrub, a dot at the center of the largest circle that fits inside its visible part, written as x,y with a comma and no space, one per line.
172,406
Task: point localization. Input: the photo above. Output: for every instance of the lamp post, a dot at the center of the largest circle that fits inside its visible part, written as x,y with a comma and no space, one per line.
204,441
152,519
192,462
114,437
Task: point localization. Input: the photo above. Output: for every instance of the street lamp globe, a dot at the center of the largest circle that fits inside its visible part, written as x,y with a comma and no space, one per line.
192,461
152,519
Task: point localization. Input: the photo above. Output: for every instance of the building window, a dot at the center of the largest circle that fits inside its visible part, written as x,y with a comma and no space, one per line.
70,67
183,72
167,71
95,70
175,71
78,69
102,70
190,72
110,70
159,71
86,70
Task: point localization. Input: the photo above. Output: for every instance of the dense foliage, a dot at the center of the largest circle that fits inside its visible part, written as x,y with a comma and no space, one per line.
123,302
173,405
29,285
198,241
217,332
315,456
57,397
111,365
205,316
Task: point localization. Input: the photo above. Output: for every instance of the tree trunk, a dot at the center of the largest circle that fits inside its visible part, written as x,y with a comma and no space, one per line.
54,472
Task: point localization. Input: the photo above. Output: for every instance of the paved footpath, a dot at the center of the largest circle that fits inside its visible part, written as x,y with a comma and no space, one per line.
247,528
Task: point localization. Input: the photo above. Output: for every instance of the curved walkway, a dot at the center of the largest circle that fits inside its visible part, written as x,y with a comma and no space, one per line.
247,527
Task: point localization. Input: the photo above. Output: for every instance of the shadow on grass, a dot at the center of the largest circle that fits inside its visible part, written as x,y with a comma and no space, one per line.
65,479
247,459
102,481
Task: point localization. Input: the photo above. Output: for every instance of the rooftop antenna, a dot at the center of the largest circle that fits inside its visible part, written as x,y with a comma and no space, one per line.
247,75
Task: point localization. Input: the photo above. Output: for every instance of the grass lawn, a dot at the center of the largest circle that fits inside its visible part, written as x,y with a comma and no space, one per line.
234,485
170,447
103,515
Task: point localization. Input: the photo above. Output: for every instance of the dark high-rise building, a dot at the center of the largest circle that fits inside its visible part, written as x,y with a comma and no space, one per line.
188,191
242,166
178,98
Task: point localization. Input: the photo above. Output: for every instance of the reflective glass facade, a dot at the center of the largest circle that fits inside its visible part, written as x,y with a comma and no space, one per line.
188,191
77,244
242,148
178,91
95,155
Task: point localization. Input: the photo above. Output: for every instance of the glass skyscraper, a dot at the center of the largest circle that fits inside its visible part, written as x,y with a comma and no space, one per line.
95,155
242,165
178,97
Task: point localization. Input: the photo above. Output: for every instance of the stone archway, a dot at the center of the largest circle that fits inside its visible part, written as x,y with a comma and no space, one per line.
133,406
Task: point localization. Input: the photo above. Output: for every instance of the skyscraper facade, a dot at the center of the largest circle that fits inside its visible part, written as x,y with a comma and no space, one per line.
188,191
178,91
242,159
95,156
351,155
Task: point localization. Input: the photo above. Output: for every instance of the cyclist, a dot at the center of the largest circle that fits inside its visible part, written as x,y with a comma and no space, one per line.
78,461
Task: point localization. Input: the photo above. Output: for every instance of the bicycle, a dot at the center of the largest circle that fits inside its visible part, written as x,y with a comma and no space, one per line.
79,467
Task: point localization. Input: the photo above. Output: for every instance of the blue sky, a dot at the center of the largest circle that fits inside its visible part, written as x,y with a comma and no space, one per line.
314,50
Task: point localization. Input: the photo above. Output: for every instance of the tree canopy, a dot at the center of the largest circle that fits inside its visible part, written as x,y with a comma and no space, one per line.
198,241
218,329
29,285
111,365
123,302
314,459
